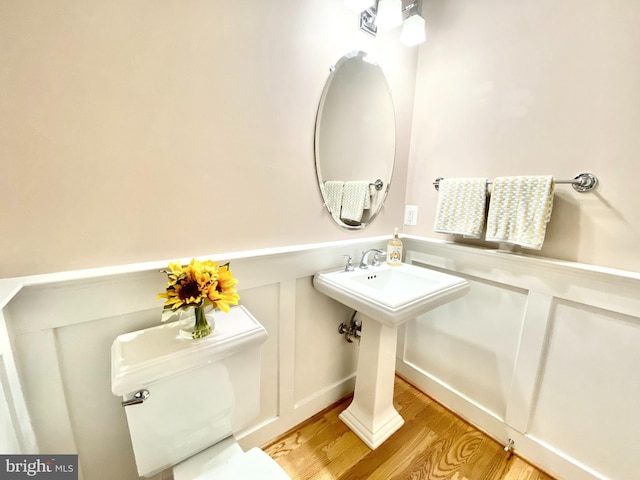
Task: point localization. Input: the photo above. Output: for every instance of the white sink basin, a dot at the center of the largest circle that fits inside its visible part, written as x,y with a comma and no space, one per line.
391,295
385,297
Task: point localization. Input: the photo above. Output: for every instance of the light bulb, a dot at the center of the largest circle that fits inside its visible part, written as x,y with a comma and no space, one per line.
389,14
413,31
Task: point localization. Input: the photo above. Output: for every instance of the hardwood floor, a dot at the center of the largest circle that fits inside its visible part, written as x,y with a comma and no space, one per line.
432,444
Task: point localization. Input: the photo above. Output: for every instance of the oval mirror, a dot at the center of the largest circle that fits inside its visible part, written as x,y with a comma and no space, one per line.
355,140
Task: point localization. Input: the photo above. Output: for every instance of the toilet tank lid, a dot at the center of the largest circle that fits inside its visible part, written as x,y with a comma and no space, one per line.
144,357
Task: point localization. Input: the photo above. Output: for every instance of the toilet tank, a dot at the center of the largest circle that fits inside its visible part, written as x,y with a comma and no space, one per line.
200,391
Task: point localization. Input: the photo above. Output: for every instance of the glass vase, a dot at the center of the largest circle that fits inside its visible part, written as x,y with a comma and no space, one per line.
196,323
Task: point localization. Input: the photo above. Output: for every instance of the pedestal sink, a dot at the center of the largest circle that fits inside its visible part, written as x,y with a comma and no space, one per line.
385,297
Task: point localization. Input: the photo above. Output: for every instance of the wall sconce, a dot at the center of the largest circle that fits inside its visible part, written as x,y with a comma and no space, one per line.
388,14
413,29
368,21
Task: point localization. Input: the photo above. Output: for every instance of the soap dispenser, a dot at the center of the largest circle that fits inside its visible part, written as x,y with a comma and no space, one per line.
394,250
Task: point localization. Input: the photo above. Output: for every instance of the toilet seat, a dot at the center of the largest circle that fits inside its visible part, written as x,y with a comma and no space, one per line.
227,461
254,465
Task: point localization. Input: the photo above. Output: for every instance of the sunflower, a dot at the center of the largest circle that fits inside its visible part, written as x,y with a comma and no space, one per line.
199,284
223,292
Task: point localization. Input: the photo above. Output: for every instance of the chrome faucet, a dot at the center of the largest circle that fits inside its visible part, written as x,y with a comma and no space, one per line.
365,257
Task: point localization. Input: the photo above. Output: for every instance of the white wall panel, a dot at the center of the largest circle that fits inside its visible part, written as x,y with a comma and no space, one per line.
39,369
318,343
84,355
539,343
60,328
471,344
8,437
16,434
588,383
570,404
263,303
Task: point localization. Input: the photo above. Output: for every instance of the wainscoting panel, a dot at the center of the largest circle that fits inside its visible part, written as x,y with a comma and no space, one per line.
8,434
16,434
263,303
85,367
43,389
541,352
59,329
587,384
319,343
471,345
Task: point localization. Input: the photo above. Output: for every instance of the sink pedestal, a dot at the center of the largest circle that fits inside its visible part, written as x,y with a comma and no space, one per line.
385,297
371,414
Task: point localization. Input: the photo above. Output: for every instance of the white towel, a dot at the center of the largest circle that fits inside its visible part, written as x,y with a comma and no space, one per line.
367,197
520,209
356,197
461,206
332,193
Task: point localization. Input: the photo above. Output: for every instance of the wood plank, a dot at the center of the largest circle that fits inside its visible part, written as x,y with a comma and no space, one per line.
433,443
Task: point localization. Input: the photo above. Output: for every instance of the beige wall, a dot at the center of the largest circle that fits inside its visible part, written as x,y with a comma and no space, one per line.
535,87
135,130
138,130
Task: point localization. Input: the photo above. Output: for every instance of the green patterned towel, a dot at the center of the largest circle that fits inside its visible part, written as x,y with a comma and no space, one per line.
520,209
461,206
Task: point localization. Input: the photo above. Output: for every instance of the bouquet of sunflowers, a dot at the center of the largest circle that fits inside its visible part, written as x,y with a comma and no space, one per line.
198,285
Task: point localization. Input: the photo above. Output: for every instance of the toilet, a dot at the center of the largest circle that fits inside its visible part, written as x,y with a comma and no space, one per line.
185,399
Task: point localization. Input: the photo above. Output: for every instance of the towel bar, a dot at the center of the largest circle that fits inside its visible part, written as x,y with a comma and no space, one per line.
582,182
378,184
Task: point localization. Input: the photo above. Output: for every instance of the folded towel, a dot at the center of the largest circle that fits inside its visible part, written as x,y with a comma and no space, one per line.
356,197
461,206
520,209
367,197
332,193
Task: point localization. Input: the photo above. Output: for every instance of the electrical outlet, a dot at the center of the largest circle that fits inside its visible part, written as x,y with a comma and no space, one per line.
410,214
